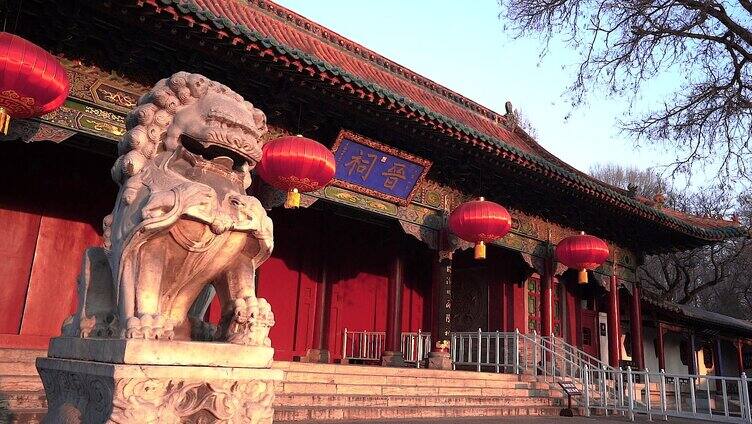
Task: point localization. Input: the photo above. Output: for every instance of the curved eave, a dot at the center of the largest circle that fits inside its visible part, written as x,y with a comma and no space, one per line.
264,46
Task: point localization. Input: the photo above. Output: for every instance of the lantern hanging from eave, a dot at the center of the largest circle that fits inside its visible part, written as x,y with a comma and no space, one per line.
582,252
32,81
296,164
480,222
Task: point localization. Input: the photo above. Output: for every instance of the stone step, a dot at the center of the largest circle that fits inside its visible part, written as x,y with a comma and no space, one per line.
22,400
21,355
373,389
20,383
26,416
397,372
360,379
301,400
18,368
286,414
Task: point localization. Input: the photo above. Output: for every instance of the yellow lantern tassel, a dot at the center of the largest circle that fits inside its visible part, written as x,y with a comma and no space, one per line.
4,121
293,199
582,277
480,250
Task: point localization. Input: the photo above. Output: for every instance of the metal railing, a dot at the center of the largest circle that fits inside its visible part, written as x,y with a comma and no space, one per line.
415,347
368,346
579,355
661,394
485,350
549,357
363,345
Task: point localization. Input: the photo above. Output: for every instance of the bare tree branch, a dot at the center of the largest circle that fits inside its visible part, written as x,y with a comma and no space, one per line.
704,45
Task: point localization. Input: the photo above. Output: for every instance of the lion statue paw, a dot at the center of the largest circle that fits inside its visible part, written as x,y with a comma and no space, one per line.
251,322
149,327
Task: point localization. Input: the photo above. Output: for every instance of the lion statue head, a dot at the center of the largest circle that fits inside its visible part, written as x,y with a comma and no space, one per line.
205,117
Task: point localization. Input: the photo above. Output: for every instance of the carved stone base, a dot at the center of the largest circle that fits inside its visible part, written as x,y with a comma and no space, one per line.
161,352
95,392
392,359
316,356
439,360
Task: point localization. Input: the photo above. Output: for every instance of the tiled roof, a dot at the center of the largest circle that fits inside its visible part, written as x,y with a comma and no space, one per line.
697,314
318,50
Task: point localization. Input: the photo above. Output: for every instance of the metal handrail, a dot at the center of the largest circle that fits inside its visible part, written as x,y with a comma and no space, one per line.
525,354
514,352
363,345
611,390
415,346
702,397
369,346
584,356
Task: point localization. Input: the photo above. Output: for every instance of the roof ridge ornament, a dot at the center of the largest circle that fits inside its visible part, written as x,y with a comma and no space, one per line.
511,117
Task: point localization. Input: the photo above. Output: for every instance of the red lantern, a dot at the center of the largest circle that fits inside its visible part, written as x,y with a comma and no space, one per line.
582,252
296,164
32,81
480,221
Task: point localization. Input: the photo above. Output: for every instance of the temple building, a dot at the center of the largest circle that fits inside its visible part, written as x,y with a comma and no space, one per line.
366,270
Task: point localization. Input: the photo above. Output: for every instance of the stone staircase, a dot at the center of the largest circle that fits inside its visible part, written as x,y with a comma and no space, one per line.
333,392
22,397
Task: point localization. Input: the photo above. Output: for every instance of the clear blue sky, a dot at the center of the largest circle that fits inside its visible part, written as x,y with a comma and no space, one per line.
462,45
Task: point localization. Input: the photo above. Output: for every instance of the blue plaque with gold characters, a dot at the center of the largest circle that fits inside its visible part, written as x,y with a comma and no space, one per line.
367,167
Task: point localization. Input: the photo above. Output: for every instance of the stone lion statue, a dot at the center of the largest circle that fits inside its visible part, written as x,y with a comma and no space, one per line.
181,221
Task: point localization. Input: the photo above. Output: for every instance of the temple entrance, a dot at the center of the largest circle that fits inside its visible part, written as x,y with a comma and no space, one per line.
51,210
469,297
490,294
348,256
583,304
589,333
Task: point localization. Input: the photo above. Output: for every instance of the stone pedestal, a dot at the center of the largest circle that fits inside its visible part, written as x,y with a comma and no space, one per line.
132,389
392,359
316,356
439,360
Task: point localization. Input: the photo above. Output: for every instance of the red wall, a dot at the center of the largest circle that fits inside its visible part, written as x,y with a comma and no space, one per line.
289,278
52,203
358,271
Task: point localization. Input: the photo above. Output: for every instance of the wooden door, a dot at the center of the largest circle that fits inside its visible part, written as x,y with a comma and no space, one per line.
469,299
51,210
589,332
288,281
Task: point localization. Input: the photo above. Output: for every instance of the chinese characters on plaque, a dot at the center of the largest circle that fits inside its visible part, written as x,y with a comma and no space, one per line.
376,170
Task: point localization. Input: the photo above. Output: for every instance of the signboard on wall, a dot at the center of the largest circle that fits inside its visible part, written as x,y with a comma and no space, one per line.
376,170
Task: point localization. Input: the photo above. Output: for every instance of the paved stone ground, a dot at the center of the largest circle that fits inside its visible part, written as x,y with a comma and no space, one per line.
521,420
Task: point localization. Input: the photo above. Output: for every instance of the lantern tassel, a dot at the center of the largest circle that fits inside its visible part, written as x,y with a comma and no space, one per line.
293,199
582,277
4,121
480,250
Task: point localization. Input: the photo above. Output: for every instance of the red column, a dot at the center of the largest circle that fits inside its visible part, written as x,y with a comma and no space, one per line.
614,353
693,351
638,352
740,355
718,358
718,362
441,300
319,351
547,283
392,355
661,354
441,311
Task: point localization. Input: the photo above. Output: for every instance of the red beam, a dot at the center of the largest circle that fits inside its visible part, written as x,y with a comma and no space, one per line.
740,355
661,354
638,352
394,304
614,351
547,283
